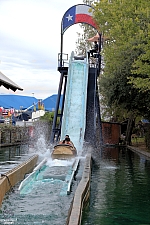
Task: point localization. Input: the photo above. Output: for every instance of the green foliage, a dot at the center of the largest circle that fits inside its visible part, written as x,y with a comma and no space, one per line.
48,116
125,76
82,45
141,67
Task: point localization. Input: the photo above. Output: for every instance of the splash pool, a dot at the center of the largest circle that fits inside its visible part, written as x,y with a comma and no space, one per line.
44,201
120,187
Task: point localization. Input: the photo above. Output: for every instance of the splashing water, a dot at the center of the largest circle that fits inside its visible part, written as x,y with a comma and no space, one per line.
44,151
40,148
57,162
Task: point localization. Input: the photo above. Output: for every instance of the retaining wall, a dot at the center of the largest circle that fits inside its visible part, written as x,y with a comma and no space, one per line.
15,175
81,195
13,135
138,150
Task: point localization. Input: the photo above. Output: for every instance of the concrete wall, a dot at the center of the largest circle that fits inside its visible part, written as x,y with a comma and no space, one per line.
81,195
13,135
15,175
139,151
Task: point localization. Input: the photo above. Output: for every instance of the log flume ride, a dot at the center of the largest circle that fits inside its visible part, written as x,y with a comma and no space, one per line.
64,151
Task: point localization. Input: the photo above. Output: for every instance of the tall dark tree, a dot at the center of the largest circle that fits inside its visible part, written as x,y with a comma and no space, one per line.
126,54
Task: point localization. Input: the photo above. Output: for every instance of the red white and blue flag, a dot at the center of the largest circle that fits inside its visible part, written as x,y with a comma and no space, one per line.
78,14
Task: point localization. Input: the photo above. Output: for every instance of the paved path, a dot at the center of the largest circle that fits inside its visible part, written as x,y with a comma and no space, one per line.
138,150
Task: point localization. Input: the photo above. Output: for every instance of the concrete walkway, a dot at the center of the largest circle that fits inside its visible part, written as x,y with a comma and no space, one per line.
138,150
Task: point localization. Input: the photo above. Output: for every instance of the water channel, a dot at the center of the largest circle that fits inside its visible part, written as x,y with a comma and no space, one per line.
47,201
120,192
120,189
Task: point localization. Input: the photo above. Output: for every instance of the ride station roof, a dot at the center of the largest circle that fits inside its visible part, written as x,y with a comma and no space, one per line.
7,83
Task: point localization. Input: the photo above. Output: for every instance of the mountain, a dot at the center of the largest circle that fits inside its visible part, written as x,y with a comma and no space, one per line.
50,103
23,102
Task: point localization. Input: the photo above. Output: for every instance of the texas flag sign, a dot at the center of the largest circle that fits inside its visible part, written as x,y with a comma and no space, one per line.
78,14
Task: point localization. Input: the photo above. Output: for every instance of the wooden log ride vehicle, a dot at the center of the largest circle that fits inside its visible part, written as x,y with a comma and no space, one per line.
64,151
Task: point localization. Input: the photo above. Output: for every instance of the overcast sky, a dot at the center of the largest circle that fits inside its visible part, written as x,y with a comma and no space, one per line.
30,43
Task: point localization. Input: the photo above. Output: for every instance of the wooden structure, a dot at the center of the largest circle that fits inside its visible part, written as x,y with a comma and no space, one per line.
63,151
111,133
12,177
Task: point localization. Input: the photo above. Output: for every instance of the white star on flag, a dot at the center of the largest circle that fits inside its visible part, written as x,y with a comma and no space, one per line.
69,17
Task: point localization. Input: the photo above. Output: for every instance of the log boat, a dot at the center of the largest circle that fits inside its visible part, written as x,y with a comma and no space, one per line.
64,151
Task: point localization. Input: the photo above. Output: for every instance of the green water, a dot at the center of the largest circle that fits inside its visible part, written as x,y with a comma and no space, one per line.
11,156
44,202
120,195
120,190
44,205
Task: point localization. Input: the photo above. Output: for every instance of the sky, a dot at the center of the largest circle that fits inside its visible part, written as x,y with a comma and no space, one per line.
30,35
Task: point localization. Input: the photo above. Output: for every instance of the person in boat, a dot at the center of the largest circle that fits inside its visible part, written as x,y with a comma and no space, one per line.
67,141
63,141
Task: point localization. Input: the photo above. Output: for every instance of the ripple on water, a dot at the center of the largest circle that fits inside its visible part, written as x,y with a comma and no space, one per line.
44,204
119,191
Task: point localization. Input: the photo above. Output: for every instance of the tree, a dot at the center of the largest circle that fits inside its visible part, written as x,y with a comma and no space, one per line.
48,116
141,67
126,53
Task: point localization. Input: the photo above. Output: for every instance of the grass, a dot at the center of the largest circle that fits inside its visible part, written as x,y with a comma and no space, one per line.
138,140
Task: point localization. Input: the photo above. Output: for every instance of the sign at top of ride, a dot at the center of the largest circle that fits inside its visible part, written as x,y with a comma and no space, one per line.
80,13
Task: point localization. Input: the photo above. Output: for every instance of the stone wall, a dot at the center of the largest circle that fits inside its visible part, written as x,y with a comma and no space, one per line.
10,135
